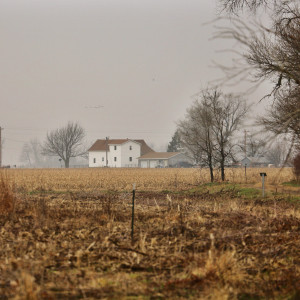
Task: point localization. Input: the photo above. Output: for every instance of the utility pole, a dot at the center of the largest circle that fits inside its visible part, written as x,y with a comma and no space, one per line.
106,144
245,143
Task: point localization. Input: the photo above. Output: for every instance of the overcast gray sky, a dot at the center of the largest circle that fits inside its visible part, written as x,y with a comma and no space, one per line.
141,60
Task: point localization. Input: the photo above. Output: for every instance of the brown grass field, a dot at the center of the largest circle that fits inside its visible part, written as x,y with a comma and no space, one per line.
66,234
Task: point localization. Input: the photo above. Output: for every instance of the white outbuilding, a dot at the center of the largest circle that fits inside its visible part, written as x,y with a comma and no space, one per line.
164,160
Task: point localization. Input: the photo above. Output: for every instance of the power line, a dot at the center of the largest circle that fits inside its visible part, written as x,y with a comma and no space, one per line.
91,131
26,129
18,141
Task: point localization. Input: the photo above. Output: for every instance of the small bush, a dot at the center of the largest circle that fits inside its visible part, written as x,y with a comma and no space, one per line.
7,198
297,167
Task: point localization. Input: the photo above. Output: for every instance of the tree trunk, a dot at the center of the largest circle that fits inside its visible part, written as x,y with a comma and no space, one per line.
67,163
211,169
222,171
222,165
210,158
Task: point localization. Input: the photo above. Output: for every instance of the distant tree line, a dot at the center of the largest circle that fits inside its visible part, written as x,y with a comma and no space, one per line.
62,144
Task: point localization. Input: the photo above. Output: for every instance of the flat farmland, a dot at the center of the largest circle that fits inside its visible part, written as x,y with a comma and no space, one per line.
66,234
146,179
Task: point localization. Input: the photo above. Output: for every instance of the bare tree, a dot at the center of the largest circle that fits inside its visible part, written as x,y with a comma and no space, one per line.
272,53
255,145
209,126
284,115
277,153
26,154
32,153
65,142
228,112
196,133
233,6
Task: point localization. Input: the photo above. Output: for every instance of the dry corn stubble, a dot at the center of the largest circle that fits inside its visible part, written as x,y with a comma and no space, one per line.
71,238
7,197
74,180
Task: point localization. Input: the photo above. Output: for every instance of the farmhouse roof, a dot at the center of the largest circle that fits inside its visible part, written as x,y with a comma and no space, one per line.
159,155
100,145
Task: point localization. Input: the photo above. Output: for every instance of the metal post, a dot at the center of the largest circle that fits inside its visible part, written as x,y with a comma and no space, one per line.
245,143
263,186
132,215
263,183
246,172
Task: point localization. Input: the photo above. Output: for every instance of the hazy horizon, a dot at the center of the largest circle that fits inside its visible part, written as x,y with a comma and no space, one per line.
123,69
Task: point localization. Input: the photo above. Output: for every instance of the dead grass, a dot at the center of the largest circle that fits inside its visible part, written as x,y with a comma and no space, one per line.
117,179
210,242
7,197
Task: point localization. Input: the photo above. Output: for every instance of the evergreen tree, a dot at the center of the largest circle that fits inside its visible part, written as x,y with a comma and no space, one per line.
175,144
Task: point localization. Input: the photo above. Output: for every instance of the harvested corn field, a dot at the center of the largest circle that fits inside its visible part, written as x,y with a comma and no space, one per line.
66,234
146,179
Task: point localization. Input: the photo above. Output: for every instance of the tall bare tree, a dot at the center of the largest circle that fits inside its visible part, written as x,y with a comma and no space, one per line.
234,6
25,154
277,153
32,153
228,112
197,135
253,146
272,53
209,125
65,142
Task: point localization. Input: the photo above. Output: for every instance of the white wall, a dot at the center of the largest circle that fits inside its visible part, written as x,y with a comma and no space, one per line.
134,153
144,164
98,155
112,154
122,154
153,163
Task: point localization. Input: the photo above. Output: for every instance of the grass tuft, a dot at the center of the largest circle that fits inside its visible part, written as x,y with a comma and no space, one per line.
7,198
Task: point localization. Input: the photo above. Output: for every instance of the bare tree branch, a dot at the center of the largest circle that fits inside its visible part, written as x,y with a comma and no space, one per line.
270,53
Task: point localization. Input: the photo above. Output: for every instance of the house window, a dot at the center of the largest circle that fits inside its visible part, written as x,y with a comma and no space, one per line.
94,160
130,147
115,159
130,158
102,158
115,147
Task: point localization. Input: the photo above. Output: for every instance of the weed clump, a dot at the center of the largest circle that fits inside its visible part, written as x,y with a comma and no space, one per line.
7,198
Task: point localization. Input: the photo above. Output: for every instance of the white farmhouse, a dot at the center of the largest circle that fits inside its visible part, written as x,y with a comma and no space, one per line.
119,153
